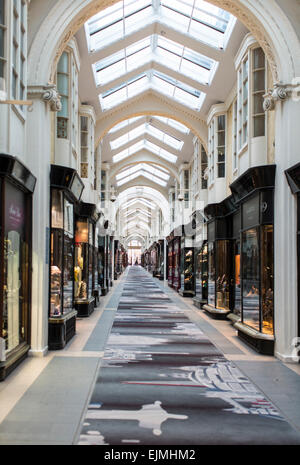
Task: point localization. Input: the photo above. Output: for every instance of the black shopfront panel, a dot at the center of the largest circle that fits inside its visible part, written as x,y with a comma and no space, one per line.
16,188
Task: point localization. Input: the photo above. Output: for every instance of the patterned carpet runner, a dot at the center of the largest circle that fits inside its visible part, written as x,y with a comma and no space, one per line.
163,382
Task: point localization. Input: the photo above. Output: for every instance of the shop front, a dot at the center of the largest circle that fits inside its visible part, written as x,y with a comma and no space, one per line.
154,250
102,265
66,190
201,277
161,259
17,185
187,270
84,270
293,178
170,249
219,258
253,228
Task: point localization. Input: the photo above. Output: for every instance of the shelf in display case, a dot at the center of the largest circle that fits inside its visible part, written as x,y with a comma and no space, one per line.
218,313
262,343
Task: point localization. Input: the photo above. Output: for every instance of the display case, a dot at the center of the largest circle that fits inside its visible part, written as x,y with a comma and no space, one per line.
84,270
293,178
187,269
66,190
220,292
16,188
201,276
254,258
102,265
170,262
161,260
176,263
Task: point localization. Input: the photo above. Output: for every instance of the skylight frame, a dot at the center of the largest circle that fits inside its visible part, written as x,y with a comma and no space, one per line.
146,167
147,145
145,174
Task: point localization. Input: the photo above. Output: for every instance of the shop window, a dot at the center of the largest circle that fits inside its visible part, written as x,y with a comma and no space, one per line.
222,274
74,100
258,91
267,279
211,274
63,71
237,278
15,305
251,278
62,254
201,273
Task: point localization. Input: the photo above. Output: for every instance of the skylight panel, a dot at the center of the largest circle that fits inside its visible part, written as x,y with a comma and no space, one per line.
145,144
143,173
129,136
117,21
185,94
143,167
174,124
123,61
121,93
164,137
200,19
144,202
123,124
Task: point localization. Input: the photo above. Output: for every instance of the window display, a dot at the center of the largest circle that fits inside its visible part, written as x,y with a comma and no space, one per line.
176,263
250,276
187,268
170,263
267,279
222,274
201,274
237,278
15,306
61,254
211,296
81,269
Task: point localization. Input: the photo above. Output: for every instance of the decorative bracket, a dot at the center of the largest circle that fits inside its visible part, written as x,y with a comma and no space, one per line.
48,94
280,93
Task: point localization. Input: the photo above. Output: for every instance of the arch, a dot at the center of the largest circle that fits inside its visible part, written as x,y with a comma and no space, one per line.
265,19
149,193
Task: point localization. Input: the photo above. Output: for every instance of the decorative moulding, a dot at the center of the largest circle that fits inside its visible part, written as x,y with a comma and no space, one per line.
47,93
279,93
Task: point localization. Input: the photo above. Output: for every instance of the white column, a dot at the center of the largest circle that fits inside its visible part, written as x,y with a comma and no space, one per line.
285,244
38,156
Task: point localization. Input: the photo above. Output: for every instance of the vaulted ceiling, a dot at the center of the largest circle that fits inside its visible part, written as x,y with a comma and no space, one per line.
180,52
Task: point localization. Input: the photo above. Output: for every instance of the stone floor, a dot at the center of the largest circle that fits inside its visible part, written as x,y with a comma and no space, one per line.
147,367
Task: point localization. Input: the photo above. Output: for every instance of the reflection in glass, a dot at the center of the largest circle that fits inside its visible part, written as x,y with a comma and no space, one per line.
250,276
15,269
81,271
201,273
56,248
267,279
222,276
68,273
237,278
211,274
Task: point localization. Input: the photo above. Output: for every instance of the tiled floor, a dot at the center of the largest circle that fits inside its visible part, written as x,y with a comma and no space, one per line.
45,401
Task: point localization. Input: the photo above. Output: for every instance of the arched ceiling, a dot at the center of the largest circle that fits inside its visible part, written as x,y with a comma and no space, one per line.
175,54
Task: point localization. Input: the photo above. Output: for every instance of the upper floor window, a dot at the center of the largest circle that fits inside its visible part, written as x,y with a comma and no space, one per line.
243,98
204,164
258,91
221,136
251,89
217,148
84,143
18,71
234,143
63,71
2,38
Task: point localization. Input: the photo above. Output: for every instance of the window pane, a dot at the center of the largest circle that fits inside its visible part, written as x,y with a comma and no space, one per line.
258,58
250,278
222,275
259,126
259,80
2,42
267,286
258,103
2,12
63,64
211,274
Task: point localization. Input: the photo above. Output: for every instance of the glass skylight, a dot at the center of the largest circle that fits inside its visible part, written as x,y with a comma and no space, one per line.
120,94
134,224
184,60
200,19
142,169
145,144
143,166
138,210
123,124
163,83
117,21
178,57
123,61
144,202
174,124
149,129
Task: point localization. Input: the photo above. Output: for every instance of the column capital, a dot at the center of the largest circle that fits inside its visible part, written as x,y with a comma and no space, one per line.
48,94
280,93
